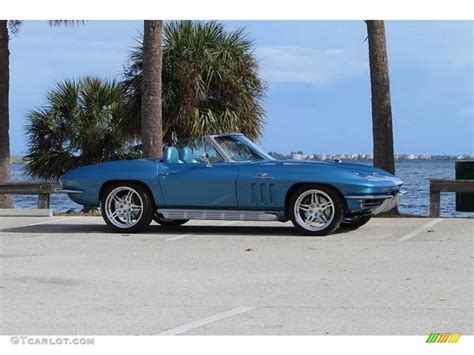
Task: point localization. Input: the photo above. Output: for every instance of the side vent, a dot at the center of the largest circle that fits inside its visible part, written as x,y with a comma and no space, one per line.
263,194
254,194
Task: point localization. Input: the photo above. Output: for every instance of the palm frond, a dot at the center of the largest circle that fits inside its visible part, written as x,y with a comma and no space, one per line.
210,81
14,26
65,23
80,123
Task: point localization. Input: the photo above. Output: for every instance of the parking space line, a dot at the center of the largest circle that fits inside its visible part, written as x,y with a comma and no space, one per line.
419,230
199,323
178,237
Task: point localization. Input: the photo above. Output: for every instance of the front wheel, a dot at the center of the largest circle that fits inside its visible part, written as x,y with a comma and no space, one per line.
316,210
127,207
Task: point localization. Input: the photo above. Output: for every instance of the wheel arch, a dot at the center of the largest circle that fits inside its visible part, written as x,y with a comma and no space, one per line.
297,185
106,184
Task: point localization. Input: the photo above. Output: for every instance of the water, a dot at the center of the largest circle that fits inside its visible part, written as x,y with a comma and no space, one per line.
58,202
415,174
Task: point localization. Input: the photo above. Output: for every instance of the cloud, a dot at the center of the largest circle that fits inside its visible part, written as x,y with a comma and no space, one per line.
290,64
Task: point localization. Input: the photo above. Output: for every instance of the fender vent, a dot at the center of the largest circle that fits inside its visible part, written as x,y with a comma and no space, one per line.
263,194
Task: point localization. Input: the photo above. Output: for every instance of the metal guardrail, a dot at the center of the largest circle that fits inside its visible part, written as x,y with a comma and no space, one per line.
42,189
437,186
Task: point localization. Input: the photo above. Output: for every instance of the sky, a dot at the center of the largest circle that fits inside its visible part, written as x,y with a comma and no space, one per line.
316,73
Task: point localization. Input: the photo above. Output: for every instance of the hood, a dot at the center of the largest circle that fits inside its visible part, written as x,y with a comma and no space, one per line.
362,168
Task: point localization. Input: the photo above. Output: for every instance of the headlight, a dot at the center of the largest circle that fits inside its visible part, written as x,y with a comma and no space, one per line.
369,175
361,174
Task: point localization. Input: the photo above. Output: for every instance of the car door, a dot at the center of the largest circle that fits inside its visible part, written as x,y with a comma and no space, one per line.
196,183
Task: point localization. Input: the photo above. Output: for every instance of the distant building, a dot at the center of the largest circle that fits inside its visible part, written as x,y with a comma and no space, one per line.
300,155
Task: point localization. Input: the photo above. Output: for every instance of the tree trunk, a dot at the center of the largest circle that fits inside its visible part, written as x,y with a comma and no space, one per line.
381,107
5,200
382,130
151,128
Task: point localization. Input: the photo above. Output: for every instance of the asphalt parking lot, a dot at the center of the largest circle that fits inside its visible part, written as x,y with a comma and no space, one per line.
70,275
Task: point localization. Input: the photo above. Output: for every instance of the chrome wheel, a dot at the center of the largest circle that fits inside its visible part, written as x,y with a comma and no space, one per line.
124,207
314,210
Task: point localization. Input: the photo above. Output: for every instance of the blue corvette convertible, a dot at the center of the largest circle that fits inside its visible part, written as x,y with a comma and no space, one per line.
227,177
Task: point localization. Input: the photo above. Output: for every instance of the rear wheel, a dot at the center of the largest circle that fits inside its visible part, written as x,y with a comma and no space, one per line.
316,210
355,222
127,207
168,222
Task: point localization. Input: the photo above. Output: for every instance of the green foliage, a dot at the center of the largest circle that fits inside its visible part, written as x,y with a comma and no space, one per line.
80,124
210,85
210,82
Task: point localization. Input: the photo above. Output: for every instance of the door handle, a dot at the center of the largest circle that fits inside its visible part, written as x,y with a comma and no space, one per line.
264,176
167,172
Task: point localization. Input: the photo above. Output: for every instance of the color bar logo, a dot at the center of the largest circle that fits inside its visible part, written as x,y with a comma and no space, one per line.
443,338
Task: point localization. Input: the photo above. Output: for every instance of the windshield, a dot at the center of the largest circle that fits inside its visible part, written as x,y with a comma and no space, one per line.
240,148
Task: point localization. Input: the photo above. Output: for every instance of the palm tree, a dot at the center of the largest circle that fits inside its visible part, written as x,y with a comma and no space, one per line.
80,124
5,200
382,130
381,106
210,82
151,126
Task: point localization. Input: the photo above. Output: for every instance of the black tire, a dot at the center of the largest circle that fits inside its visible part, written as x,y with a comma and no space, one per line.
355,222
337,212
170,223
147,203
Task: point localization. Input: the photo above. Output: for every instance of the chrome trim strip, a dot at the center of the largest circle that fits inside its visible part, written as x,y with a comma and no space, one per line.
232,215
375,197
226,134
68,191
368,197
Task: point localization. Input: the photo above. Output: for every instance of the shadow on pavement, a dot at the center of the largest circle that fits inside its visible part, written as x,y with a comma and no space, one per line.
65,229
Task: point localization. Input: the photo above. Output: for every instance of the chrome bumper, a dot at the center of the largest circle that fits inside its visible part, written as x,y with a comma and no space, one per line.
389,202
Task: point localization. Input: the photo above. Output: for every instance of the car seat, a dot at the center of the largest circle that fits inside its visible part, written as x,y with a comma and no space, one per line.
172,155
186,155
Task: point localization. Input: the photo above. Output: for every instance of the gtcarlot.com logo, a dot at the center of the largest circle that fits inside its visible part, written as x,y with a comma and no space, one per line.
27,340
443,338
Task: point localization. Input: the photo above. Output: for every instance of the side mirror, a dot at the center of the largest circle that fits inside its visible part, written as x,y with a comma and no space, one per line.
205,157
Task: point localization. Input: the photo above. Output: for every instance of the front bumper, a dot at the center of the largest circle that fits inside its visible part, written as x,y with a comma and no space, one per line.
388,204
374,204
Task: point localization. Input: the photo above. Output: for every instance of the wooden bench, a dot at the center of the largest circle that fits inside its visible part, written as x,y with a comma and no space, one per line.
42,189
437,186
